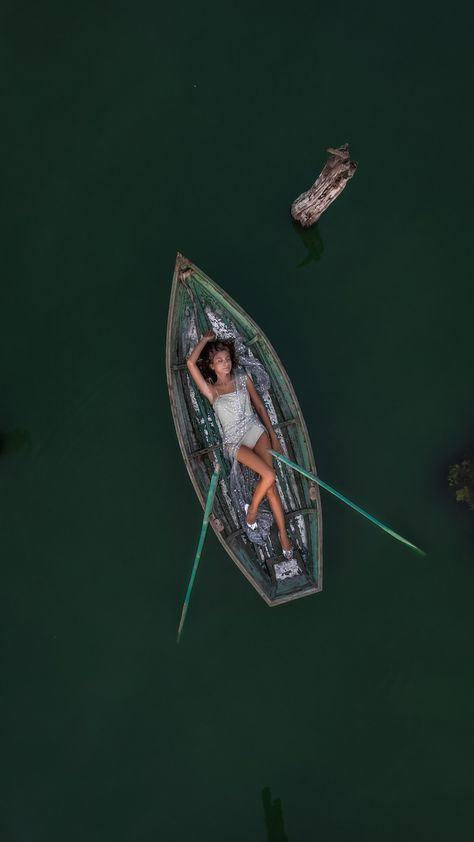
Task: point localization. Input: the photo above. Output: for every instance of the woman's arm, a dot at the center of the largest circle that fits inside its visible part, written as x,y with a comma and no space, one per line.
203,386
260,408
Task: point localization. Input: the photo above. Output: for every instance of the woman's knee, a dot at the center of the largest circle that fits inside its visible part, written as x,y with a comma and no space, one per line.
270,477
271,492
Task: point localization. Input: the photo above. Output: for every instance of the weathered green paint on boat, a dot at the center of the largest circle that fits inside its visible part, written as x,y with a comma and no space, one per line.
200,442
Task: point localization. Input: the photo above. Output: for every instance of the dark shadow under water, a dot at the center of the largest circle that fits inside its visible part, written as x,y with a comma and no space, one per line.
312,241
13,441
273,817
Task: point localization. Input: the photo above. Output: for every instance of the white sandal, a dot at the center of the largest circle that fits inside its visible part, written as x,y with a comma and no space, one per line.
250,525
286,553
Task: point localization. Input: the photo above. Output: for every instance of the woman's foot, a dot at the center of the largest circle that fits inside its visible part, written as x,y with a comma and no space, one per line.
251,517
286,545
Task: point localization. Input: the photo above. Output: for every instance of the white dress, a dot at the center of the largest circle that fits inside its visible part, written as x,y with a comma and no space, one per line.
238,422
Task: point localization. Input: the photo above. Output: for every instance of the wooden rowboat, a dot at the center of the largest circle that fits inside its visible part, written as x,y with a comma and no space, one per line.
196,305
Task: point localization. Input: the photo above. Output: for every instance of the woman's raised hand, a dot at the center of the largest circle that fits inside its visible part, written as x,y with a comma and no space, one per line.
275,442
209,336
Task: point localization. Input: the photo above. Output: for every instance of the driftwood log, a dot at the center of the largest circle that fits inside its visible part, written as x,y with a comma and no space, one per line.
308,207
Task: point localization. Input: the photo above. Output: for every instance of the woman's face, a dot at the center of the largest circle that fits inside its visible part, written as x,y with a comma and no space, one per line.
221,363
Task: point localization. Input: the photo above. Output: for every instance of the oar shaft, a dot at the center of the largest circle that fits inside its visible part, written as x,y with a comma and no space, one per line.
202,537
346,500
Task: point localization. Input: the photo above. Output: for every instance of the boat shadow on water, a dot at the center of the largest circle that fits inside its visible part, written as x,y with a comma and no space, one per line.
273,817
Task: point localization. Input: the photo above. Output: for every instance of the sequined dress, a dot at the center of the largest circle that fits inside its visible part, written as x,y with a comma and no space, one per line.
235,416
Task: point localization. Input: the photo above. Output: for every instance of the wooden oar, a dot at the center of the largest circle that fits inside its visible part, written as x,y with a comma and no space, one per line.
344,499
205,521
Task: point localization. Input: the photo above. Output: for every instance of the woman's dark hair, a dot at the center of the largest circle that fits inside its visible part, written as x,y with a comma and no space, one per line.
209,353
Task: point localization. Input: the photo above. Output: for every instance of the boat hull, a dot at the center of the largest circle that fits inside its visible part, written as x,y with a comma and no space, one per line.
196,304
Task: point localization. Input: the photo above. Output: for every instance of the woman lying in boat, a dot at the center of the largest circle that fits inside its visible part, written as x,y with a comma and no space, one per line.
213,366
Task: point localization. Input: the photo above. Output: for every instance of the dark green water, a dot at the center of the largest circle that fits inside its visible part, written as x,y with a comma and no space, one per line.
130,133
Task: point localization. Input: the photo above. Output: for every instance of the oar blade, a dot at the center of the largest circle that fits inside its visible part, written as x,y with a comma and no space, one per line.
403,540
181,622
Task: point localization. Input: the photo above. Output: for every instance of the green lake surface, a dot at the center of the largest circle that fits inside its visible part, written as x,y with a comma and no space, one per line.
131,132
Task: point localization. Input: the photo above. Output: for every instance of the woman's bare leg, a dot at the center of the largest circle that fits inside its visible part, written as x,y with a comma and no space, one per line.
267,477
261,448
279,515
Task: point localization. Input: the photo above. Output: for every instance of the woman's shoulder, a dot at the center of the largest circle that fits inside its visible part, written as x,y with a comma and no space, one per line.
241,376
246,377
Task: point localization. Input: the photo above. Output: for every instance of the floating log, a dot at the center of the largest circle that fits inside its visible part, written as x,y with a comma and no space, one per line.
308,207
